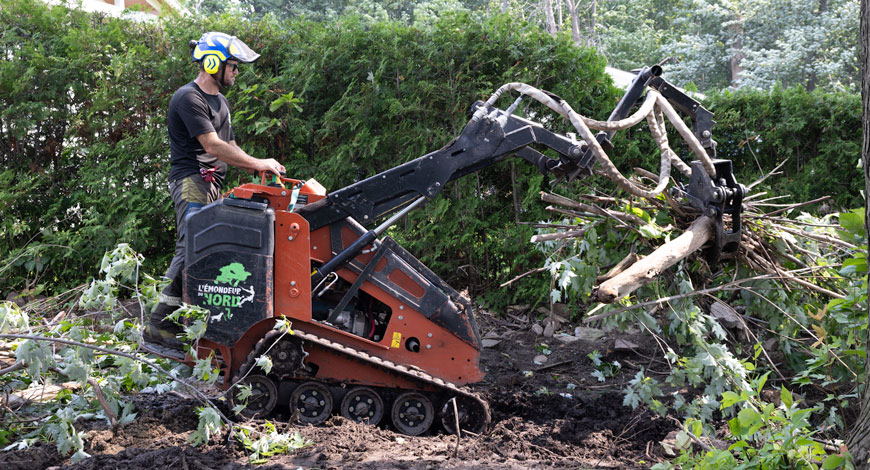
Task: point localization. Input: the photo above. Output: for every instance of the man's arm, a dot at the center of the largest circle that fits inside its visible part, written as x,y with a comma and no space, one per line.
233,155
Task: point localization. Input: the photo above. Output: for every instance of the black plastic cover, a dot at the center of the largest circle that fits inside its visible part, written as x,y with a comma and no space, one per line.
229,262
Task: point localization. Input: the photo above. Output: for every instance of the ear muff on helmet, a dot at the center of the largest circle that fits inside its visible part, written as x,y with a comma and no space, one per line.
211,63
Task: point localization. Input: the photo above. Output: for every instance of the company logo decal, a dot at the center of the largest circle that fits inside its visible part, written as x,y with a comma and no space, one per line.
225,292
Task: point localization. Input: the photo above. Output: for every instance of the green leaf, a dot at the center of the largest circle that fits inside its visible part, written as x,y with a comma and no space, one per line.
853,222
729,398
748,417
832,461
264,362
786,397
738,445
651,231
695,426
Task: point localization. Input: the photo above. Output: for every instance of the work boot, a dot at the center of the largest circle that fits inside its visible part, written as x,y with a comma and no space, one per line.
161,331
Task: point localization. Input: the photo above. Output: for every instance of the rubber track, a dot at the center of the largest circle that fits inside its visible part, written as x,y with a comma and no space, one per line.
410,372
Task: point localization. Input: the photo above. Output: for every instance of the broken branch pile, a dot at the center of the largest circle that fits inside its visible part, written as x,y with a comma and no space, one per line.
767,242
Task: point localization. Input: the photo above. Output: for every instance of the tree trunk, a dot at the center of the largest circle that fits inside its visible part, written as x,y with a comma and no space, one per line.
813,76
592,10
859,436
736,33
504,4
575,20
551,20
650,267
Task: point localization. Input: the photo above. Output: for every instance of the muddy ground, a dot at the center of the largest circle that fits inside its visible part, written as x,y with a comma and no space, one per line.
539,419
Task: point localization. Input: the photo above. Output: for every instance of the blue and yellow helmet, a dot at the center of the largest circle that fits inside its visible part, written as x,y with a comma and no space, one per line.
215,48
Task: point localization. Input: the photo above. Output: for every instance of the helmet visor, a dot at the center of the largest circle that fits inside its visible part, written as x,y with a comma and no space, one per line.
240,51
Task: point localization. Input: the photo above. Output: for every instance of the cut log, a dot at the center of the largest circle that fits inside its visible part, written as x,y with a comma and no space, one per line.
651,266
620,267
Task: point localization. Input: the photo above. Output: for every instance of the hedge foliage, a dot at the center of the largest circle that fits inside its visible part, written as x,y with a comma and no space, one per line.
818,135
85,155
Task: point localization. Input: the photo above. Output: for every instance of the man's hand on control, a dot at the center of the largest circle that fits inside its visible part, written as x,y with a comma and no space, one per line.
271,165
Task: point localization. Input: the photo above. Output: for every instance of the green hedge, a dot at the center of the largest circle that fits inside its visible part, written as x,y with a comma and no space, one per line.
85,155
819,134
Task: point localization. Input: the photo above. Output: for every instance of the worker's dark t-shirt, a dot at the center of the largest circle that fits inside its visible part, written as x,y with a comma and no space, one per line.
193,112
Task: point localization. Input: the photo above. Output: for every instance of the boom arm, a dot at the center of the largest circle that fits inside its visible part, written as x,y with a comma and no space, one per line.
493,135
482,143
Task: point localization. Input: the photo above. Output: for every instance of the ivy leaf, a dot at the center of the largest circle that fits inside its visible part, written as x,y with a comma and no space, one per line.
284,325
243,392
631,399
79,456
264,362
35,355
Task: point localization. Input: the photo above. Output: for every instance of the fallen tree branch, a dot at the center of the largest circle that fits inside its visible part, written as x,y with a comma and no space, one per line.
562,235
651,266
196,392
16,366
591,208
661,300
621,266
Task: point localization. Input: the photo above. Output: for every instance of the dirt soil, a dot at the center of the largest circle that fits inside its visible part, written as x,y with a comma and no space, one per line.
539,420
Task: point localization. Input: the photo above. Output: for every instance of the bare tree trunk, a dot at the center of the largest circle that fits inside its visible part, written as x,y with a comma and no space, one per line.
592,11
736,33
504,6
551,20
858,442
575,20
813,77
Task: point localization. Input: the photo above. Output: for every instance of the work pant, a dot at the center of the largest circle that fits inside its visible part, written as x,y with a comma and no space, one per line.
188,194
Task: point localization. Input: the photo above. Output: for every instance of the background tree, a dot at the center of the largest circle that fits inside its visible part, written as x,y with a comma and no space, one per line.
859,438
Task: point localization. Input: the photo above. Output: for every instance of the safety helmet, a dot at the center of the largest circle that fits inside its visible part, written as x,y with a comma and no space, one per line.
214,48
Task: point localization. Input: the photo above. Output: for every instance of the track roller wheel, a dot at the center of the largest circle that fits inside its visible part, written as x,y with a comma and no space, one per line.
312,401
363,404
263,398
412,413
473,417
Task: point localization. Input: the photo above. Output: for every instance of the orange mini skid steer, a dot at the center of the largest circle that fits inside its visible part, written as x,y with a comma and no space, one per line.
376,335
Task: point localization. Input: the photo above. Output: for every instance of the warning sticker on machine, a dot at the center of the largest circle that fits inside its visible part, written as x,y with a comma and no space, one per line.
397,339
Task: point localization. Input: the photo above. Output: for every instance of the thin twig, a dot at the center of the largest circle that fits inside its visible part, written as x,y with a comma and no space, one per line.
113,418
13,368
816,236
794,206
806,330
772,172
527,273
456,421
